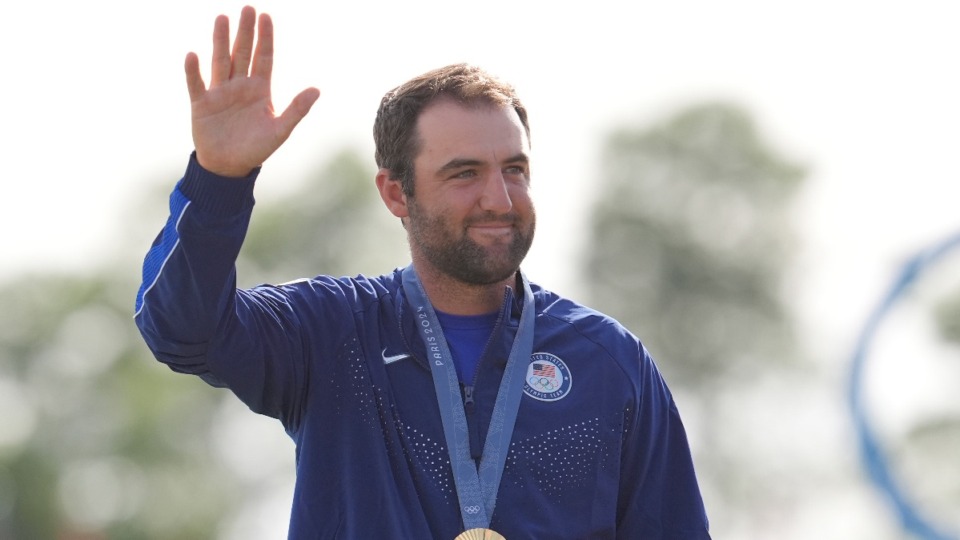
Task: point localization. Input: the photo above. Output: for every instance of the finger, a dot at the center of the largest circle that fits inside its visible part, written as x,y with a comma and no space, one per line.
263,56
195,85
220,63
297,109
243,44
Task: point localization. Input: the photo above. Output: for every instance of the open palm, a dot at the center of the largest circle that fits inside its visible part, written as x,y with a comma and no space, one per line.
235,128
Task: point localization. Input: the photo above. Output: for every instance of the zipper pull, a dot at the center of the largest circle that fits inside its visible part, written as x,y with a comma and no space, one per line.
468,398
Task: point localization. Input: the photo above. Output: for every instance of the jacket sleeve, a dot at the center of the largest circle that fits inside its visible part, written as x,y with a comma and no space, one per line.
192,316
659,494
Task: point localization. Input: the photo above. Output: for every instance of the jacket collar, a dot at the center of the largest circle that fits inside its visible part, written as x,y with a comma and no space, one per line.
501,339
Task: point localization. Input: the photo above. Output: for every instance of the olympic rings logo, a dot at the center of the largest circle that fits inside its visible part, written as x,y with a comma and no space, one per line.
472,509
547,378
544,384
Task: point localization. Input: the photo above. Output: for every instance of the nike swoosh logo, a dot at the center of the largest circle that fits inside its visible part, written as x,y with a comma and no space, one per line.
393,358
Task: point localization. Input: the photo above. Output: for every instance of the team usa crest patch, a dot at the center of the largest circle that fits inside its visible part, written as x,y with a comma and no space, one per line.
548,378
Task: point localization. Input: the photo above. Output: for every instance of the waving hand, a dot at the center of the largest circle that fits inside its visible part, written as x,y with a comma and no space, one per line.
235,128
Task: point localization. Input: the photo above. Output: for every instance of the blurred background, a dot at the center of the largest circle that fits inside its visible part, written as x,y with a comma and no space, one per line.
740,183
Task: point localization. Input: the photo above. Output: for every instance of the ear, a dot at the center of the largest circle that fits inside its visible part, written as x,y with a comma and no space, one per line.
392,194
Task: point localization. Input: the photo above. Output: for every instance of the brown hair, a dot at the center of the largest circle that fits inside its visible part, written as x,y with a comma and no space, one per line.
395,128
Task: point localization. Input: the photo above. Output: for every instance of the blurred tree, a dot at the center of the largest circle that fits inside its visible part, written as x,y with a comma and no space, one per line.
691,240
98,440
689,246
337,225
103,444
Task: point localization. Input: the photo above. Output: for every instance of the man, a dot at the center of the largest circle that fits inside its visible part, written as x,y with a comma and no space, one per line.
447,396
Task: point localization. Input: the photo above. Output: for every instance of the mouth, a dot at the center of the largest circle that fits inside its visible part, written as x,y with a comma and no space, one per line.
490,220
492,234
493,230
493,225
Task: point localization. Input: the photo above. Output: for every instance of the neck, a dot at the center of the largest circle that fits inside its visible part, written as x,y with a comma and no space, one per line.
455,297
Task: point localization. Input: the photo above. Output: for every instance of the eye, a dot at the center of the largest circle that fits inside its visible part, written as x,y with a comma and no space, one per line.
468,173
516,170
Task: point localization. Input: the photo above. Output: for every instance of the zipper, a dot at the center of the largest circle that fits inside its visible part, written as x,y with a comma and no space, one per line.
505,311
476,452
469,406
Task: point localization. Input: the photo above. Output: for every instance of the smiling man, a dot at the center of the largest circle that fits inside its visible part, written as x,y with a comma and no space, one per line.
468,211
451,398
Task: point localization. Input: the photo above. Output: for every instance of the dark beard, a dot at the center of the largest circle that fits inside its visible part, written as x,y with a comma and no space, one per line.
461,258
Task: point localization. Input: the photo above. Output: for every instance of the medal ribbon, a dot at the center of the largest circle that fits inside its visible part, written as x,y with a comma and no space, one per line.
476,489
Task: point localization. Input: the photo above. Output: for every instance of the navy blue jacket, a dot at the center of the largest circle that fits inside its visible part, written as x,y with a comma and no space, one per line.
598,450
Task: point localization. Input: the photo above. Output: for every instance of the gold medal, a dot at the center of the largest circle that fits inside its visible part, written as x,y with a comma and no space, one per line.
480,534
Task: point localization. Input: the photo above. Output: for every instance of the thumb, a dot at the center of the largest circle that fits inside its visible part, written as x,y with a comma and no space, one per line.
297,109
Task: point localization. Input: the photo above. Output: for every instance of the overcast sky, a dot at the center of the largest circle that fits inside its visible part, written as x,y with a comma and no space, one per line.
865,95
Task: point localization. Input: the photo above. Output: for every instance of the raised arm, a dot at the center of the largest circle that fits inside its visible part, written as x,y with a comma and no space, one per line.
188,308
235,128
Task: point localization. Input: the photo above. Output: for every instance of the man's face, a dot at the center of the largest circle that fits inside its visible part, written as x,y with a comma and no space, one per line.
471,217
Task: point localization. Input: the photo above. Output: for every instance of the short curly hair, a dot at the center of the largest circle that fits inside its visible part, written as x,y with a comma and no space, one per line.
395,128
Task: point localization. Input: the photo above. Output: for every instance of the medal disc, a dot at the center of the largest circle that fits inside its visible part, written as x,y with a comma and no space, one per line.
480,534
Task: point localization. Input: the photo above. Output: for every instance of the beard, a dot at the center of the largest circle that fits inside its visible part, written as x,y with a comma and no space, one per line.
450,249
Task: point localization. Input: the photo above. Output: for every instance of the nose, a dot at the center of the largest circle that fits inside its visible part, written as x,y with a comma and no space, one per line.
496,196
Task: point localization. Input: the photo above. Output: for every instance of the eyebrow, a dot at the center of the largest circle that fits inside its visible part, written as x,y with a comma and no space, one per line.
458,163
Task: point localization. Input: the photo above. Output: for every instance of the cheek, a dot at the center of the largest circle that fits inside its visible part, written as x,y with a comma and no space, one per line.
520,196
